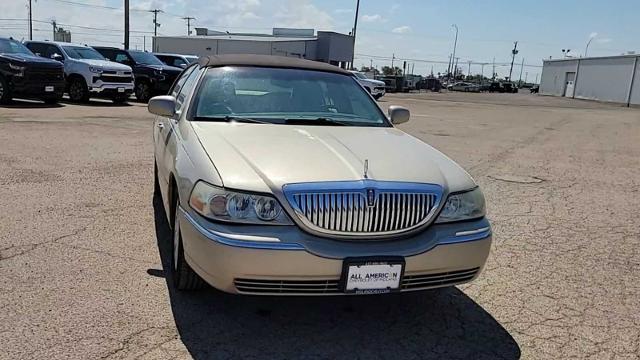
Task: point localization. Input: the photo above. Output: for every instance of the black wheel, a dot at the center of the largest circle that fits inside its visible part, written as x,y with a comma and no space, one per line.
184,278
119,99
5,92
78,91
143,91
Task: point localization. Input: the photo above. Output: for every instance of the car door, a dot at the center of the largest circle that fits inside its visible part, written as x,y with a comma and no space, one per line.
163,129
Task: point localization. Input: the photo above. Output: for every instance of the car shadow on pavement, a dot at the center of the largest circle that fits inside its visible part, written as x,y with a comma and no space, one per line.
98,103
442,323
29,104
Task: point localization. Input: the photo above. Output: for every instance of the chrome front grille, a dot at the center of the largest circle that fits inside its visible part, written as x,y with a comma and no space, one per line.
364,207
291,287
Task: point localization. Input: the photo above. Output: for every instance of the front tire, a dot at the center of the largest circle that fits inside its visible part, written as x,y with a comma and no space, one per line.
143,91
5,91
78,91
184,278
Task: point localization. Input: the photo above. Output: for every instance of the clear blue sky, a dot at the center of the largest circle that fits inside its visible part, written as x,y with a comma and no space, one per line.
410,29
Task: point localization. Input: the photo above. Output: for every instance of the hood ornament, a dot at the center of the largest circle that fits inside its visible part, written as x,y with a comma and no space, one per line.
366,168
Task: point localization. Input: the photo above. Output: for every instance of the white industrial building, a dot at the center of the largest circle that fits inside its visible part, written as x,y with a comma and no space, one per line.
325,46
611,79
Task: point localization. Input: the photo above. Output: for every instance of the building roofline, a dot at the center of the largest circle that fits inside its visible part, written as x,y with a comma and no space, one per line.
592,58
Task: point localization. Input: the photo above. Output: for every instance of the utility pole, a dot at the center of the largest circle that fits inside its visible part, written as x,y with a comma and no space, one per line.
30,22
455,68
371,63
469,71
393,57
449,66
482,73
355,28
453,56
493,74
526,75
126,24
513,57
156,25
188,18
521,67
536,79
53,23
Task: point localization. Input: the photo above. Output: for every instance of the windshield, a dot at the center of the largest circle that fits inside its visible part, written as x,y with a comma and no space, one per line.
191,59
13,47
142,57
285,96
81,52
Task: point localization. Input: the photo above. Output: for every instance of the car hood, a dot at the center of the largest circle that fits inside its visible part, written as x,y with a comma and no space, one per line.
32,60
164,68
375,82
107,65
263,158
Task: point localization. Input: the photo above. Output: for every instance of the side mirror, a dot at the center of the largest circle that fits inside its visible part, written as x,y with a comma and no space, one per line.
164,105
398,114
57,57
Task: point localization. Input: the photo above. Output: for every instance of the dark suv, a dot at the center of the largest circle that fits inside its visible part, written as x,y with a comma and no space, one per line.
23,74
152,76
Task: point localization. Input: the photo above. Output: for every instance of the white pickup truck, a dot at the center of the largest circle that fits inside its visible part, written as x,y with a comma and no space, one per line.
375,87
87,73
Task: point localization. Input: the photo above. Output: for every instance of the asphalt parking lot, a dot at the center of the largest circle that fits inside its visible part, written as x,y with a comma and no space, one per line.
83,244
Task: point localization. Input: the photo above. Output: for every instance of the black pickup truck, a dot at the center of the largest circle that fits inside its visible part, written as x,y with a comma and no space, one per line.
152,76
26,75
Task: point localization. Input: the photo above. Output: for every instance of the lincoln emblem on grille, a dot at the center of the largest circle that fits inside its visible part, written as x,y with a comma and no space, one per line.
366,168
371,197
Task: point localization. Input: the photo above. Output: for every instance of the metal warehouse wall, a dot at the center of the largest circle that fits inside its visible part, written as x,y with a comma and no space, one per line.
207,46
604,79
553,76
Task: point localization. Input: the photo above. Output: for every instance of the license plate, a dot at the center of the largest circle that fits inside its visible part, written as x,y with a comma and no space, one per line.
48,88
120,90
372,276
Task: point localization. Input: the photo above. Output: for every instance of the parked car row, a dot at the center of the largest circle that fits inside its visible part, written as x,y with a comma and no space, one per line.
45,70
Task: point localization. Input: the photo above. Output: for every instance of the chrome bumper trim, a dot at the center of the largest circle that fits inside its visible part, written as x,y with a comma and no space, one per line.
242,241
466,236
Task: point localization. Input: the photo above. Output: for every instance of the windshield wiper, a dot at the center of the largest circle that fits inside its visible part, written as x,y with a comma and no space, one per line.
229,118
316,121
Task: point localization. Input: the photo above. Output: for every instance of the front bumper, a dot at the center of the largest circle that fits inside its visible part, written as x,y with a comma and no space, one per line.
378,91
110,86
443,255
37,89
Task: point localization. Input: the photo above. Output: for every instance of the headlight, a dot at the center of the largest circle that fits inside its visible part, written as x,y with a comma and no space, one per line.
95,69
18,68
219,204
463,206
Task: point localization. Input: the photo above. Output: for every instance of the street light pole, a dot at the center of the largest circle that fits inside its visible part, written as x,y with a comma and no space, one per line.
586,49
355,28
455,44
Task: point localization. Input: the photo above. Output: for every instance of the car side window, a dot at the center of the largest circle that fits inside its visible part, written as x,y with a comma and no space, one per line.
37,49
53,50
107,54
187,86
178,84
177,62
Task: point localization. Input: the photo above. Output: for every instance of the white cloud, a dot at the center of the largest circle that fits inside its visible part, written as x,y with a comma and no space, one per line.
372,18
343,11
604,40
401,30
303,14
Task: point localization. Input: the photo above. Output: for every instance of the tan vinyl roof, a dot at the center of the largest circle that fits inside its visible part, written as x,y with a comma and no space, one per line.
268,61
